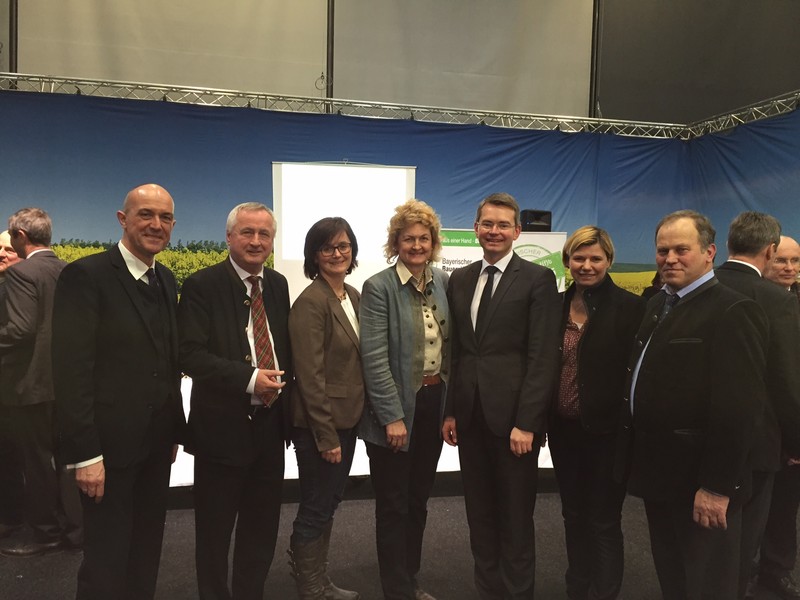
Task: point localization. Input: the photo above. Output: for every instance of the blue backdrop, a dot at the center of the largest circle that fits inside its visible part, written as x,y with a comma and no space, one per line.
77,157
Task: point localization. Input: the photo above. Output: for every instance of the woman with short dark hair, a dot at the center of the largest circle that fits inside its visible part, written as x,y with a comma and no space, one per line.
327,401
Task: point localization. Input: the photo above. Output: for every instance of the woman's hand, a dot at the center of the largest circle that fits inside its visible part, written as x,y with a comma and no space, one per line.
396,435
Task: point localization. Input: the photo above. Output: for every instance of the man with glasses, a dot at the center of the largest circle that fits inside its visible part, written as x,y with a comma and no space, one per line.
506,315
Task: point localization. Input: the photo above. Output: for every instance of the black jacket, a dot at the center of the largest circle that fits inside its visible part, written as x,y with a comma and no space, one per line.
604,352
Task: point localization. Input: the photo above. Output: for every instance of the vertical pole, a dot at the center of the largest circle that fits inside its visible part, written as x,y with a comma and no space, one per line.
13,34
597,44
329,61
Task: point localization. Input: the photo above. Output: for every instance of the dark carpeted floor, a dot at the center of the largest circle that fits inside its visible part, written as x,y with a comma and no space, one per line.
446,571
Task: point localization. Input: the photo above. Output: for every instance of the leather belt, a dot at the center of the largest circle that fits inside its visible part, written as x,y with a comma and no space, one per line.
431,379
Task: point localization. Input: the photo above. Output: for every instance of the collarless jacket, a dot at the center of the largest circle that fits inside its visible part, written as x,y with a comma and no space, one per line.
604,351
698,393
329,385
392,348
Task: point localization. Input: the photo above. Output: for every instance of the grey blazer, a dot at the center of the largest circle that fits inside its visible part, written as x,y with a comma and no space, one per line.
392,349
27,371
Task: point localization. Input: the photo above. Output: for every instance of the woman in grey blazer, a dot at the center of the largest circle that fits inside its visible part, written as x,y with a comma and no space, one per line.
328,399
405,351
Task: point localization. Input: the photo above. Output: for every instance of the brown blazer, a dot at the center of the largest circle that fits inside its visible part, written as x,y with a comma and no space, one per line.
329,394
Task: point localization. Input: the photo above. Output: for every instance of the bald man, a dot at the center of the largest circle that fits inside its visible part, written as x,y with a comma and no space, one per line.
118,402
779,546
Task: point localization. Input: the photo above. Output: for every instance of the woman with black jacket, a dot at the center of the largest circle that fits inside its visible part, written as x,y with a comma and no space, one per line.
599,321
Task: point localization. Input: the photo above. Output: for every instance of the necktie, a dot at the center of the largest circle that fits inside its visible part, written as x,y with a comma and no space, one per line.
671,300
486,297
152,279
265,358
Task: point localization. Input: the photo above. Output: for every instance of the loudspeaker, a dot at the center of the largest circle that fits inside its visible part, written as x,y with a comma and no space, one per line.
536,220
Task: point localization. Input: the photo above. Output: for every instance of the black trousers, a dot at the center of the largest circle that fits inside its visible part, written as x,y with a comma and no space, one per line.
250,497
12,482
500,495
123,532
693,563
591,504
403,482
754,521
50,495
779,545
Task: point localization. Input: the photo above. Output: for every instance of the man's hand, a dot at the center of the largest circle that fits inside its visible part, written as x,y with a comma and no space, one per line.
267,381
332,456
396,434
521,442
92,480
710,510
449,431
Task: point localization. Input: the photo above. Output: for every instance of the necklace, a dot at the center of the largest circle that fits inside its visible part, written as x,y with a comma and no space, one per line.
343,296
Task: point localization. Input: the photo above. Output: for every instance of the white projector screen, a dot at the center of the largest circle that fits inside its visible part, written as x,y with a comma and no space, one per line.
365,195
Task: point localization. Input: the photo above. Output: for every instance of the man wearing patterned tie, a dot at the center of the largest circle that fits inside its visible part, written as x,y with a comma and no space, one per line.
697,374
234,343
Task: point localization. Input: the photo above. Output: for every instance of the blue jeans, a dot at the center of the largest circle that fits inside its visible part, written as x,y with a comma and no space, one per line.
321,483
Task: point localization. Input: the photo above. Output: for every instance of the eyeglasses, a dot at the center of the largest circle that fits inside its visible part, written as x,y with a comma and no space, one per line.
489,225
343,248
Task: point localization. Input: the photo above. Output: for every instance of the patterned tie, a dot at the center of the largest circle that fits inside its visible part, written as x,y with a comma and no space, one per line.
486,298
152,279
264,356
672,300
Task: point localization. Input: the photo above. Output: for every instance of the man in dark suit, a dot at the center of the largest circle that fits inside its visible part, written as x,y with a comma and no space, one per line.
233,320
11,480
697,387
118,401
26,377
779,545
752,241
506,315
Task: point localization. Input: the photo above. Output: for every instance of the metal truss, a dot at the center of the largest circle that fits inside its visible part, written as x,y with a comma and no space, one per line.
380,110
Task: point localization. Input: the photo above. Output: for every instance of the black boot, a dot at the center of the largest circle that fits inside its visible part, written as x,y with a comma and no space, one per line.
331,591
306,561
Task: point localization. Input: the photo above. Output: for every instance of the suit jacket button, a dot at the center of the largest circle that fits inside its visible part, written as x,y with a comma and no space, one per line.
247,302
640,343
248,358
155,373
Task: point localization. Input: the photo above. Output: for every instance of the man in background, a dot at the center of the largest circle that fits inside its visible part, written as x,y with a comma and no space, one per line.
234,332
779,545
118,401
26,378
11,480
753,239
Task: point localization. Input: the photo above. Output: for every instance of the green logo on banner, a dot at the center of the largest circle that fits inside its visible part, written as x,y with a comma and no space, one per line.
542,256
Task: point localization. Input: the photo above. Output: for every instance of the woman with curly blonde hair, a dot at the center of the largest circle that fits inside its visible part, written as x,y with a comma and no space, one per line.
404,322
